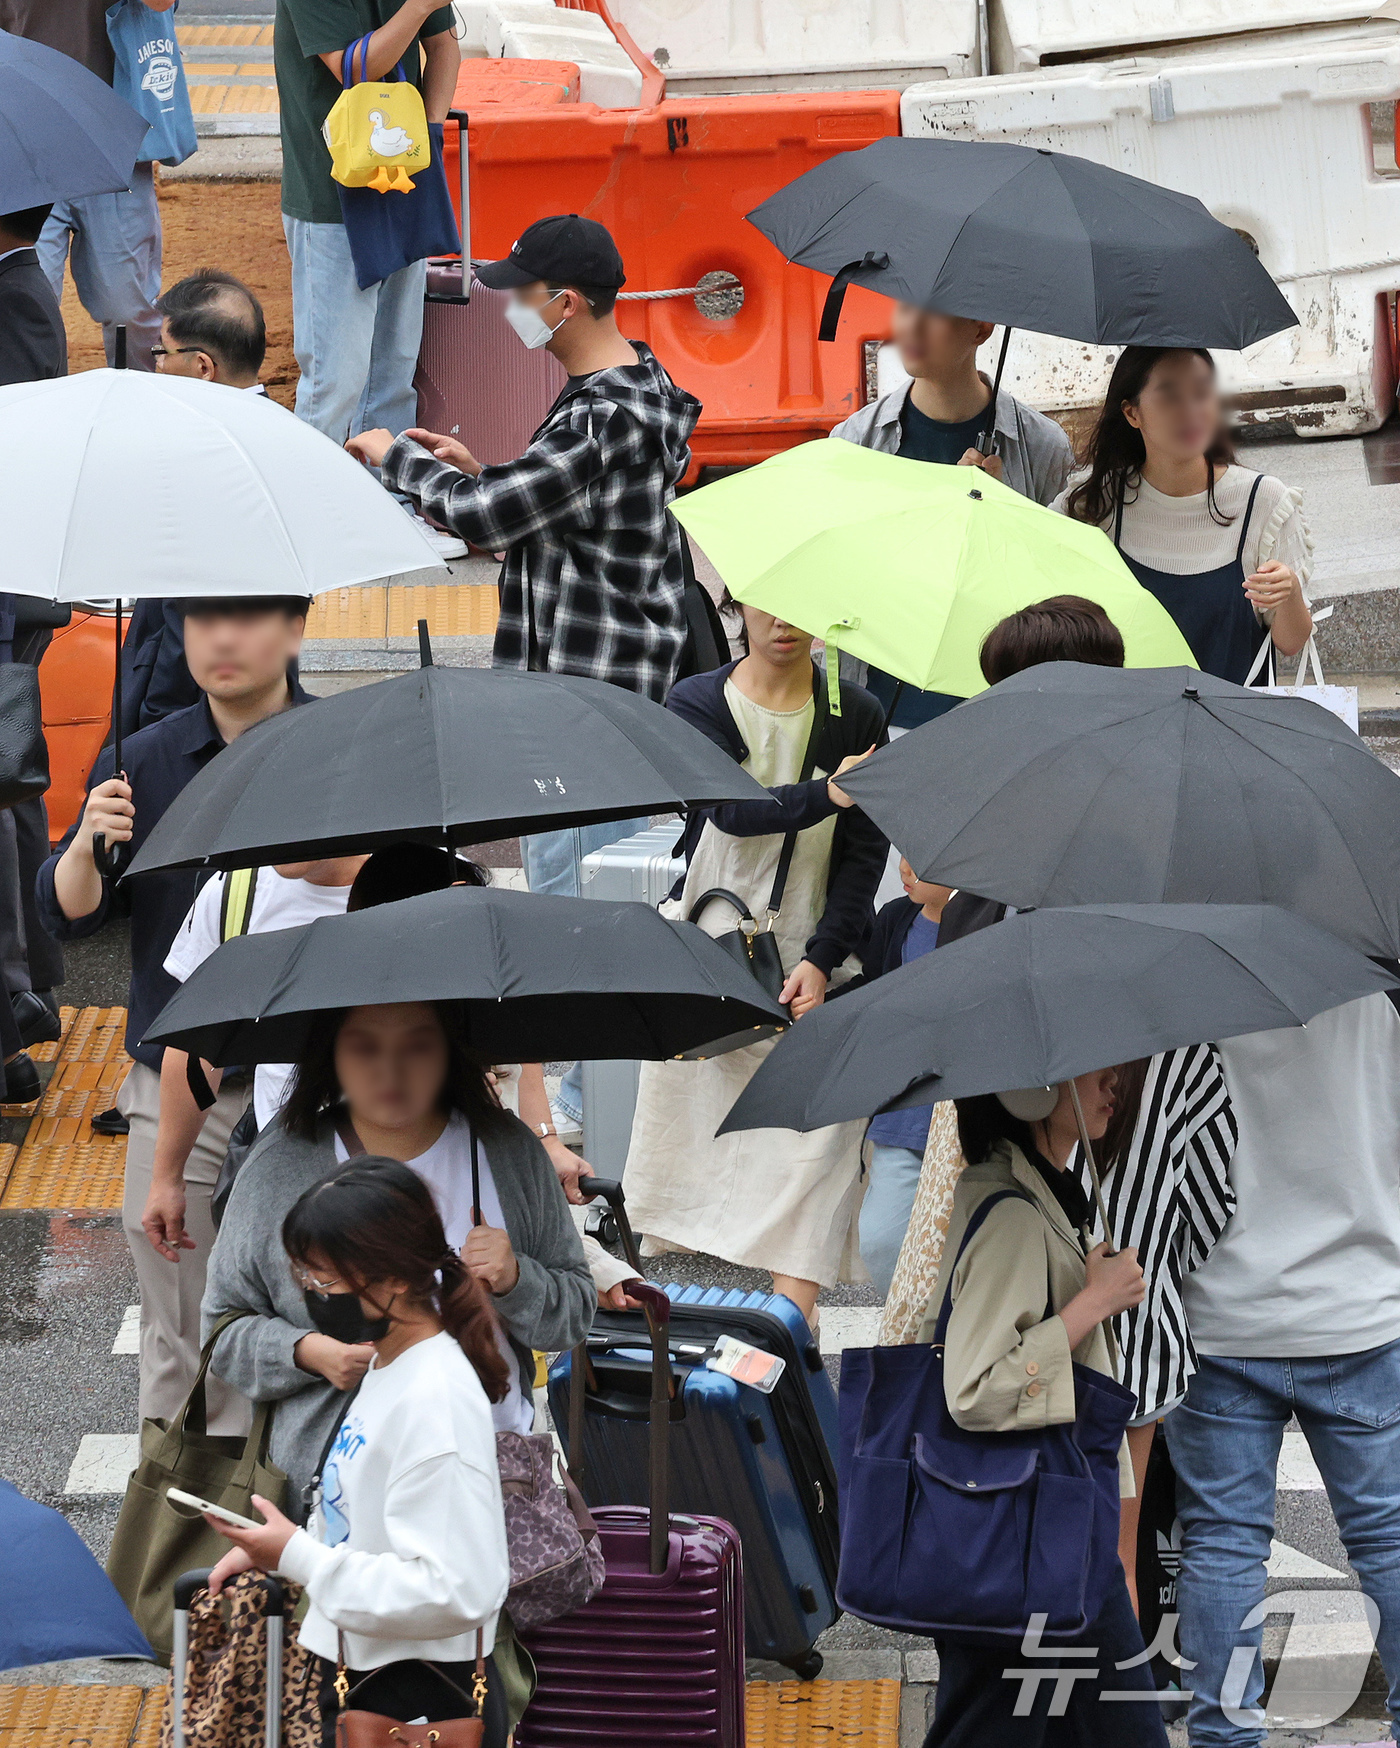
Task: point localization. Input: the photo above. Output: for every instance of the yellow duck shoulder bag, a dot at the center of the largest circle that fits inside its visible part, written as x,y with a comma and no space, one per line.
377,130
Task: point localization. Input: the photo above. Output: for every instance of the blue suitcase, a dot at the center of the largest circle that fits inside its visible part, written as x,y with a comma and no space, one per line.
762,1463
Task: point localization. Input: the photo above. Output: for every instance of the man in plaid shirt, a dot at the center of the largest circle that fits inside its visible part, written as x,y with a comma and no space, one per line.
593,581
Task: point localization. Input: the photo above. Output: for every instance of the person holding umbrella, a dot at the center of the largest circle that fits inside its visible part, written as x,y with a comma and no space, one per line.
806,867
939,415
1224,549
33,344
1009,1357
239,652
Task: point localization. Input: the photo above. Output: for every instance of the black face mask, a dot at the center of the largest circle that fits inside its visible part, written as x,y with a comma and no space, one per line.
341,1316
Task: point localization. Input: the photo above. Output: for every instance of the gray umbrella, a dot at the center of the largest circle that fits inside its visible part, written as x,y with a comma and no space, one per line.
1028,237
539,979
1046,996
1069,784
445,756
63,131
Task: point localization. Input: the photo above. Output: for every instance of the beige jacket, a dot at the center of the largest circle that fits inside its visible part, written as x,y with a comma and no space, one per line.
1006,1365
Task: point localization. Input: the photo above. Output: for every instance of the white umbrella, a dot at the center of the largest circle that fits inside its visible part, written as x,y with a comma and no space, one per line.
122,483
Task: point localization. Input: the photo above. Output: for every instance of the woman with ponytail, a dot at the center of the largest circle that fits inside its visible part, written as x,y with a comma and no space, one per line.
1224,549
404,1559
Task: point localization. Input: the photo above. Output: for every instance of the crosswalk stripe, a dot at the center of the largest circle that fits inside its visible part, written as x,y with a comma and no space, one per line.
128,1337
103,1462
1286,1562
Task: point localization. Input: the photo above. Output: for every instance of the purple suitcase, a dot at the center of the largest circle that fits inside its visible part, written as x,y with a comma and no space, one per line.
475,381
658,1655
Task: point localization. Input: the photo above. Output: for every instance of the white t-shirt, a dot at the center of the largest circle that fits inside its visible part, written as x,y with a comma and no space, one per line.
278,903
446,1168
406,1550
1308,1266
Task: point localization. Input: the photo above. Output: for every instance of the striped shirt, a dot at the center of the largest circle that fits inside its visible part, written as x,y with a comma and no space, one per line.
1170,1199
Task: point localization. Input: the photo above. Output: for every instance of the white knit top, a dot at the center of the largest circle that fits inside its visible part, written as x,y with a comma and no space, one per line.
1180,536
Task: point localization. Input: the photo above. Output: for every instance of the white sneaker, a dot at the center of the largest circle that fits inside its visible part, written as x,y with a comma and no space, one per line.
443,544
570,1132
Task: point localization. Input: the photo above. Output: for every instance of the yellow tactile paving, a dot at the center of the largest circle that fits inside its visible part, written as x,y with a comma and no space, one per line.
81,1717
803,1714
211,69
61,1163
451,609
224,36
233,99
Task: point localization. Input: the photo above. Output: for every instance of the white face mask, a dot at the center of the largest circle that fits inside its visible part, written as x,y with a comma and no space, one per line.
530,325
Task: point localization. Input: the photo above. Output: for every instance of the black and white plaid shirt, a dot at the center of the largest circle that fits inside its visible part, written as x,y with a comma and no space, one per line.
592,583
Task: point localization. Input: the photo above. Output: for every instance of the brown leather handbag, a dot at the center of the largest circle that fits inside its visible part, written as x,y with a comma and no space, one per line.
361,1729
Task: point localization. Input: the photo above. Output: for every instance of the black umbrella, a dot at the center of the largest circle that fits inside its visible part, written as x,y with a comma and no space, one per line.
64,132
1029,238
444,756
540,979
1048,995
1069,784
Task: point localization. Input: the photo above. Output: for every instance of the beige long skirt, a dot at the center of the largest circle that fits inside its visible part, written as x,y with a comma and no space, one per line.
764,1198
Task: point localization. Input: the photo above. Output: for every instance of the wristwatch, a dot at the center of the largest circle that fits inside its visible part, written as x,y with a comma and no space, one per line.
546,1130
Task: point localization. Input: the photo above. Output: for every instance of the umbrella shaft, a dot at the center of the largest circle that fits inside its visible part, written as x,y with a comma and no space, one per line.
1088,1147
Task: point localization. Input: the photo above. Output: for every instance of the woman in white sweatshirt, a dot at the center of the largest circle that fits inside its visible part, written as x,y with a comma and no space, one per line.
404,1560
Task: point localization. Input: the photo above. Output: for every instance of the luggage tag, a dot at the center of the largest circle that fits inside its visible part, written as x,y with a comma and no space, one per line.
745,1364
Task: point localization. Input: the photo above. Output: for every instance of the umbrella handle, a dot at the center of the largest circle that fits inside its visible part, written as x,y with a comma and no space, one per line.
988,432
836,293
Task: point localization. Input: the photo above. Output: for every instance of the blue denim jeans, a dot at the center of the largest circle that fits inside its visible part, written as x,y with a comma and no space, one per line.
552,865
1225,1441
892,1181
357,351
112,243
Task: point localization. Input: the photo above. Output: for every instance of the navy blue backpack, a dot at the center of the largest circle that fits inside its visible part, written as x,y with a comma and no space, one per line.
970,1534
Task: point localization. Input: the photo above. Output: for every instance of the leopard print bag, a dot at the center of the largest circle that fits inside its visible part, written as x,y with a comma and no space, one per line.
226,1673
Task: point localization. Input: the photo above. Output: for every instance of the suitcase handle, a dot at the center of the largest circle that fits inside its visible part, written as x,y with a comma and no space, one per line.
186,1587
464,196
662,1384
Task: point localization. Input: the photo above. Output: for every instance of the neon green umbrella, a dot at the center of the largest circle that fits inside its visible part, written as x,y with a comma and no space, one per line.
908,564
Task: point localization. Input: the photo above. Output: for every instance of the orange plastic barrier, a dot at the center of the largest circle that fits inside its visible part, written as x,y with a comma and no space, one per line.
75,686
672,183
515,84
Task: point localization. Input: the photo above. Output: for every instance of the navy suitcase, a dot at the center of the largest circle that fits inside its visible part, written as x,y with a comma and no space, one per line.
762,1463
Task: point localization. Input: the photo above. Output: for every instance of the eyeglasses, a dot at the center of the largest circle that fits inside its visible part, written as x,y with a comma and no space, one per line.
172,351
309,1284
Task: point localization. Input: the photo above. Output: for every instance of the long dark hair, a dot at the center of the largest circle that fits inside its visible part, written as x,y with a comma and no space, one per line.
376,1220
315,1088
1127,1103
983,1121
1116,451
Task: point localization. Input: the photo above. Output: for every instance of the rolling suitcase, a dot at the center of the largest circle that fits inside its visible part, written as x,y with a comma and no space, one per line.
657,1656
475,381
229,1715
760,1462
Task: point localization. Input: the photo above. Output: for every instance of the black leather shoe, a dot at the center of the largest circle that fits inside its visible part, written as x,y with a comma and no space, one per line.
37,1022
22,1083
110,1122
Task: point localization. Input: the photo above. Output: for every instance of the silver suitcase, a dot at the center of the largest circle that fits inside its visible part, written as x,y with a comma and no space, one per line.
643,868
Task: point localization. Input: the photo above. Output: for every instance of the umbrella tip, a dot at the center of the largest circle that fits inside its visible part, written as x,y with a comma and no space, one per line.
1192,692
974,493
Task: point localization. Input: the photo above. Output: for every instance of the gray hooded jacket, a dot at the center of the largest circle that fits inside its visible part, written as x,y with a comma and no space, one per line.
550,1307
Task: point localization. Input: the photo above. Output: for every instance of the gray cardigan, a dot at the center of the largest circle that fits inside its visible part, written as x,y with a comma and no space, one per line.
1035,452
549,1308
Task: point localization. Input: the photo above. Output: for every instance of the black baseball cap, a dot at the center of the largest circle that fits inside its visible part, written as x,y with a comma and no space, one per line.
563,250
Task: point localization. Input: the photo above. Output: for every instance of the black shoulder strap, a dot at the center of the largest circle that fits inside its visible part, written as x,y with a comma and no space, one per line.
809,760
973,1227
1248,513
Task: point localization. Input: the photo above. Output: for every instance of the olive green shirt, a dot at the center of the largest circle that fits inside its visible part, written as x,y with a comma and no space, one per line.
307,89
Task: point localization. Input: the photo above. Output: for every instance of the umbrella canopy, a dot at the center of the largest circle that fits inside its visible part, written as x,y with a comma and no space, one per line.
444,756
221,493
907,564
64,132
540,979
1031,238
1069,784
1048,995
59,1603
